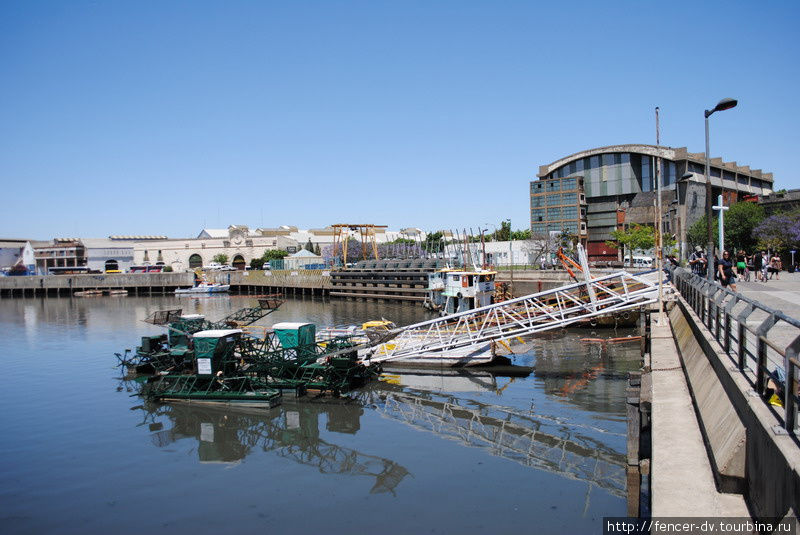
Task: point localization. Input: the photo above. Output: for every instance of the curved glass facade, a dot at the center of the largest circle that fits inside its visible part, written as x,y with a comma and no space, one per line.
618,173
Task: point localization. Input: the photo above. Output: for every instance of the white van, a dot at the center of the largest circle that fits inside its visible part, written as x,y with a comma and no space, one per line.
639,262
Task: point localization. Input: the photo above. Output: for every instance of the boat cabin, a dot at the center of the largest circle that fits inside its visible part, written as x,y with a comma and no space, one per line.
454,291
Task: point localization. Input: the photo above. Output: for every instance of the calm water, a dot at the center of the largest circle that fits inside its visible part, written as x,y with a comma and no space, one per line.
414,453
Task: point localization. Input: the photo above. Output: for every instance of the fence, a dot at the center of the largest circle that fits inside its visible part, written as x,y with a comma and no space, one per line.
730,317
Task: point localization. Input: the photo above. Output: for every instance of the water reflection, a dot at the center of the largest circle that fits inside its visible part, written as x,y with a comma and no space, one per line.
438,403
533,440
291,432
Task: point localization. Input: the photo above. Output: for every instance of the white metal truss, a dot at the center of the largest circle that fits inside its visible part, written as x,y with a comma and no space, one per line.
542,311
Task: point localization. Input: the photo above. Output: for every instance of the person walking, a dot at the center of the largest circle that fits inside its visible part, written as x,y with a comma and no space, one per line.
775,267
764,266
741,265
698,261
758,263
725,271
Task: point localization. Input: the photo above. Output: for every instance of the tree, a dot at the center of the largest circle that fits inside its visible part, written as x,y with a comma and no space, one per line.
633,238
433,242
274,254
520,235
697,233
220,258
504,233
740,220
257,263
316,250
778,232
309,246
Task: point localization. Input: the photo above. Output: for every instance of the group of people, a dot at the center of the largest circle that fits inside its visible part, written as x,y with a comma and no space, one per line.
729,268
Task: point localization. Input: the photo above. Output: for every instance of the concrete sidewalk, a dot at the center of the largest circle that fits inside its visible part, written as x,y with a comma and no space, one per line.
782,295
682,480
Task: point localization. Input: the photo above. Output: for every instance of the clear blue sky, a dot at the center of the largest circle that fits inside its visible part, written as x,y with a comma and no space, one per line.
164,117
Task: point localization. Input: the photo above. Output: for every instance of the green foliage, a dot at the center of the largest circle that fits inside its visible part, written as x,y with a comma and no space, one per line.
257,263
220,258
167,269
504,233
633,238
668,242
433,242
317,250
521,234
274,254
696,235
740,221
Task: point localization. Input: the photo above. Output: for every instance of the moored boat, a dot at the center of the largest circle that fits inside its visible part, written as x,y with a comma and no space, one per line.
205,288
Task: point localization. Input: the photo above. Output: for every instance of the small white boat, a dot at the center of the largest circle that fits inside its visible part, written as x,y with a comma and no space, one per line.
204,288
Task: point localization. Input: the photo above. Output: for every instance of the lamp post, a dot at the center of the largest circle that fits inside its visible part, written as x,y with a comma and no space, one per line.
722,105
511,255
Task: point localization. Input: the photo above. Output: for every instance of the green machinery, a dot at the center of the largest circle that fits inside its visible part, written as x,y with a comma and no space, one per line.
215,379
210,361
291,358
172,352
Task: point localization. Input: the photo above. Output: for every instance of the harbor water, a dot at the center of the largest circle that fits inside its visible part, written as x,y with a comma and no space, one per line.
420,451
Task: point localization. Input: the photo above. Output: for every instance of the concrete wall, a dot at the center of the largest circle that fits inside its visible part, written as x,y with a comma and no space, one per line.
316,279
771,463
115,280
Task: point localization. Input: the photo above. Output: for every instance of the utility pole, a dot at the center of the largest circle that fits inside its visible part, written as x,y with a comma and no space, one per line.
659,248
511,255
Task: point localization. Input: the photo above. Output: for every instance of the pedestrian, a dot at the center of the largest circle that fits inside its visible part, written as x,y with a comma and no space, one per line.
697,261
764,266
741,264
775,267
757,264
725,271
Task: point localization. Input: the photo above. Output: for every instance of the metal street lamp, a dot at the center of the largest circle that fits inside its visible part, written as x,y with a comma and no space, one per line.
724,104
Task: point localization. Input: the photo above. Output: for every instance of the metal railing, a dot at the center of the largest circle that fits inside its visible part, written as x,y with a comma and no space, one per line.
749,346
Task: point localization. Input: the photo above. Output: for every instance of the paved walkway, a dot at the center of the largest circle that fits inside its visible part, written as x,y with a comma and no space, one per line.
782,295
682,479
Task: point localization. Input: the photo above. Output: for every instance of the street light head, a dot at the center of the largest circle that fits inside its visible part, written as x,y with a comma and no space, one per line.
686,176
726,104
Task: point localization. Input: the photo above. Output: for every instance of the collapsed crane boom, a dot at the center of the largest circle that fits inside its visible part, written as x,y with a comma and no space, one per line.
542,311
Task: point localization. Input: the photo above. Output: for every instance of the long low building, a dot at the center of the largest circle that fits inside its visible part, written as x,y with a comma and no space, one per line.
596,191
238,244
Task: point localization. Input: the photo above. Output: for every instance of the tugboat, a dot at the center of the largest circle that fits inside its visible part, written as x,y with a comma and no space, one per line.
451,291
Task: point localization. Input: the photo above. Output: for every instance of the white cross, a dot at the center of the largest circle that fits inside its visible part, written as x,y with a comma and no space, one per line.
721,209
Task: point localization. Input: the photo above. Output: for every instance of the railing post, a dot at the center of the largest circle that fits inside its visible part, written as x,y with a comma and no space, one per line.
703,291
718,300
728,313
790,387
761,354
741,319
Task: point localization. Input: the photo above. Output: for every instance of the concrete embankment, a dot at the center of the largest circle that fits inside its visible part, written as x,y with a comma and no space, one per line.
714,444
408,285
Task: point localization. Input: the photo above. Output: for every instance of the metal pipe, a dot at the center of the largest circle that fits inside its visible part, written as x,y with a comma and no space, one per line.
659,240
710,238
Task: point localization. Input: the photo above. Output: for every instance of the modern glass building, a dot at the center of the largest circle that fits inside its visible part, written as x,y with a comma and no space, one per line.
619,182
558,205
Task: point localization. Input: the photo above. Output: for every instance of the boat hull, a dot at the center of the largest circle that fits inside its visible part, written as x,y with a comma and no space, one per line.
221,288
453,358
